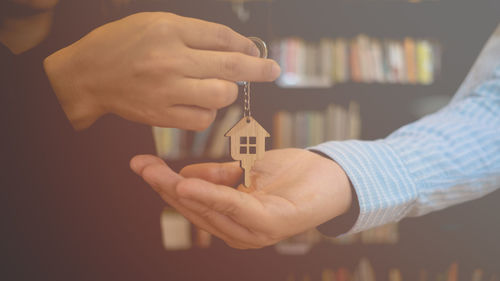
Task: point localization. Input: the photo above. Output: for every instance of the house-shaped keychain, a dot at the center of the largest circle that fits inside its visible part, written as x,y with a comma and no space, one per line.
248,143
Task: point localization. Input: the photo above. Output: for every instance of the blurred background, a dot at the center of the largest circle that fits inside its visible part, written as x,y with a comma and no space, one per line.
351,69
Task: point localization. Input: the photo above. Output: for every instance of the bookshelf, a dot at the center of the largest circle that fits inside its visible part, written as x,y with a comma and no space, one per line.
431,242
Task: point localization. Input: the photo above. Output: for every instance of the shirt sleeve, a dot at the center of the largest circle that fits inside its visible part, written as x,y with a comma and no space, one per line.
443,159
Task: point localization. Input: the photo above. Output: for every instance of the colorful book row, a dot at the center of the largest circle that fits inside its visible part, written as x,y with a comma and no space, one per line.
176,144
307,128
179,234
364,271
360,60
290,129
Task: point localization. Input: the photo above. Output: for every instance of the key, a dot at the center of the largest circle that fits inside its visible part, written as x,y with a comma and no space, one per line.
247,136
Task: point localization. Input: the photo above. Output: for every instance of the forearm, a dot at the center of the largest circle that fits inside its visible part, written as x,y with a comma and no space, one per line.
443,159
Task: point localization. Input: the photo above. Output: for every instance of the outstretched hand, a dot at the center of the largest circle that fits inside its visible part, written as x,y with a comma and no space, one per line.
293,190
157,68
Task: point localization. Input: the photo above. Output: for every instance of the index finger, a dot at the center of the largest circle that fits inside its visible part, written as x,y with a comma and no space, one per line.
205,35
219,173
230,66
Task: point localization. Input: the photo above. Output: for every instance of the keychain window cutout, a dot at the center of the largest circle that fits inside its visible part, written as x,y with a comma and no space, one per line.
245,147
248,137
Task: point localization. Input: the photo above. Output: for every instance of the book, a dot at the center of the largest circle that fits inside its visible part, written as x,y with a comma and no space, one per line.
477,275
200,142
364,271
343,274
328,275
409,46
378,61
424,62
176,230
452,272
361,59
341,61
220,145
354,62
203,238
395,275
354,119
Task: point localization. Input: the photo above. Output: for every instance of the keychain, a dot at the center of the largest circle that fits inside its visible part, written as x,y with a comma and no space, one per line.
248,137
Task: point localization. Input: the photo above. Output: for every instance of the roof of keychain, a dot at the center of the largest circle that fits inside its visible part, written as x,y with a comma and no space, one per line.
248,137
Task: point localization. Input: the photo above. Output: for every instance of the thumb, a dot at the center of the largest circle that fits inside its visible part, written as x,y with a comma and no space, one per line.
156,173
218,173
139,162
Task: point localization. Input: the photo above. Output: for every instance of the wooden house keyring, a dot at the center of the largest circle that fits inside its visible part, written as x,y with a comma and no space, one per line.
248,137
248,143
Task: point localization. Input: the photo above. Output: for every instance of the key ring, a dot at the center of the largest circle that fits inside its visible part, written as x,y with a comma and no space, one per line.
261,45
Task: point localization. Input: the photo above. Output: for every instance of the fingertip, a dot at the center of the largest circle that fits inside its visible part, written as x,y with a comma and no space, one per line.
275,70
160,176
139,162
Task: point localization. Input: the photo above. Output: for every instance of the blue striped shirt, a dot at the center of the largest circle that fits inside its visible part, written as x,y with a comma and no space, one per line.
441,160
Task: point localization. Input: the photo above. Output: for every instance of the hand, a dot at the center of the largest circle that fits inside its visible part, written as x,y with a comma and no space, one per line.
155,68
294,190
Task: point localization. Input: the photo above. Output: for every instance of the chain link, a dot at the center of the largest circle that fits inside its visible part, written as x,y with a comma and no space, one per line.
246,100
246,86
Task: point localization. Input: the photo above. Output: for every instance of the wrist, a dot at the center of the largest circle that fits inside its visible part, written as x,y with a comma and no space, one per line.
345,202
348,204
66,77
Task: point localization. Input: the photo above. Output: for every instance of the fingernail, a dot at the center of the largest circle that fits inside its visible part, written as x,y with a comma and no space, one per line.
276,71
133,166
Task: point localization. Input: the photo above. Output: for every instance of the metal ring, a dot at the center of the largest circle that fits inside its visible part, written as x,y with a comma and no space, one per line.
261,45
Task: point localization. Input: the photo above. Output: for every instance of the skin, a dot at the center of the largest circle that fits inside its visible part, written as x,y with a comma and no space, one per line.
294,190
158,68
22,34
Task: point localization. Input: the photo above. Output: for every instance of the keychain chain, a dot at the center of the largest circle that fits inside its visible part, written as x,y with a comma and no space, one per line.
246,100
246,86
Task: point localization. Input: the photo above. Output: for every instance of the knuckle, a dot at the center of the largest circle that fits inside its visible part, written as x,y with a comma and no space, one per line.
154,64
223,93
224,36
205,119
230,66
163,25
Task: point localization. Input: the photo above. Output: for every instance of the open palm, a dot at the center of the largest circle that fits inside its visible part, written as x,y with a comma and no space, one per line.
293,190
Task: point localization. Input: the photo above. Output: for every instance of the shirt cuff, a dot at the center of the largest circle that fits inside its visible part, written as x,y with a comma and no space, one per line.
382,183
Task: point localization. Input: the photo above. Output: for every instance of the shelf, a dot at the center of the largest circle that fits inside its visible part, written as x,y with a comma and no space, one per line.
393,19
357,90
328,86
